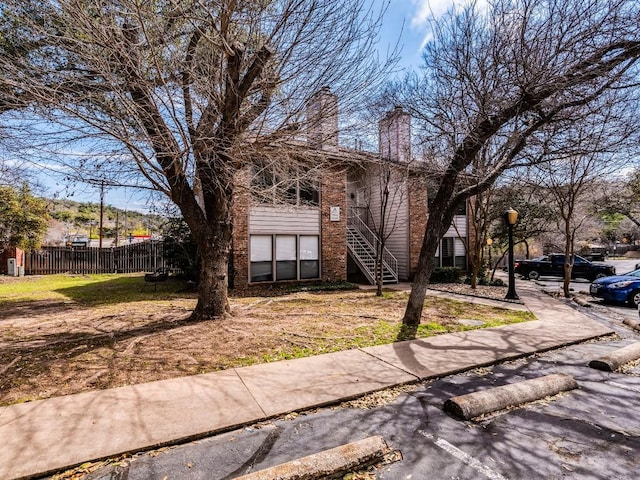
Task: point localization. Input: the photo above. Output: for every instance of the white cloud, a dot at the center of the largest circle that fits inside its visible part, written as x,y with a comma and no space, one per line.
425,11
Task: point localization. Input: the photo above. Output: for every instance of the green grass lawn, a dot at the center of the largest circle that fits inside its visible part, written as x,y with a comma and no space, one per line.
88,290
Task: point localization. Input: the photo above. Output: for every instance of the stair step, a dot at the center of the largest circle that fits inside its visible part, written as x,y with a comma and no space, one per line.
364,255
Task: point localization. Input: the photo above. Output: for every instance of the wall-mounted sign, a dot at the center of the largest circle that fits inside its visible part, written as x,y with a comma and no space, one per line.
334,216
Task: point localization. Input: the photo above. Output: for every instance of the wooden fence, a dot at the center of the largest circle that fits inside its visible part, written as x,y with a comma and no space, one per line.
137,257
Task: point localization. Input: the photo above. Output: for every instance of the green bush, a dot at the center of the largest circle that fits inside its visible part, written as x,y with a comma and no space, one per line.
445,275
180,251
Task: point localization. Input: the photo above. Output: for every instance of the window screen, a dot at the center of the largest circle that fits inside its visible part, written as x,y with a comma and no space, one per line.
309,257
286,268
261,258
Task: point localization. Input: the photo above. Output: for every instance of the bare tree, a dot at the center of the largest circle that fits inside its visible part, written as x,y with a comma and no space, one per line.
570,175
535,217
496,79
621,198
182,95
478,210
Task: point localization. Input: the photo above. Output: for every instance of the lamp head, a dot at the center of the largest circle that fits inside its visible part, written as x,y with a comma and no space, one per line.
510,216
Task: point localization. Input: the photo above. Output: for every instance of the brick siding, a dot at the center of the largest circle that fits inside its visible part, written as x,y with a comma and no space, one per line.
240,215
333,234
417,219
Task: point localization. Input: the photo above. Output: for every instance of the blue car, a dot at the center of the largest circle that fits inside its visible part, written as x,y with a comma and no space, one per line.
618,288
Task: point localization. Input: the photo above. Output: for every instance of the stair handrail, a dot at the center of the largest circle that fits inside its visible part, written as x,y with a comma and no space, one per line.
361,251
356,221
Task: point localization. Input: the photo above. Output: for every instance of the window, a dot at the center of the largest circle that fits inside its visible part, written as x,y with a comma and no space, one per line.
286,264
284,257
448,253
261,258
309,257
460,254
309,193
447,257
288,185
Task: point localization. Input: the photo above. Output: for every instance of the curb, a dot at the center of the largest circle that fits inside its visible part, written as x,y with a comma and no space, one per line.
631,323
617,358
475,404
581,301
329,464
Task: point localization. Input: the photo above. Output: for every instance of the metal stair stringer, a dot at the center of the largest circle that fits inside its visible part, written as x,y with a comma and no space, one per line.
361,243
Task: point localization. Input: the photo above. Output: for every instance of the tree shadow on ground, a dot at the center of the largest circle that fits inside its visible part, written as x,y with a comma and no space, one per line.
126,289
26,360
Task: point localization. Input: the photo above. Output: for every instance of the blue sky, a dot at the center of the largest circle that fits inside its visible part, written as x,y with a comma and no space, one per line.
405,24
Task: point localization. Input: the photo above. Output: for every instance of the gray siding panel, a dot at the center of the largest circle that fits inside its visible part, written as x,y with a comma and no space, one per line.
460,229
264,219
397,224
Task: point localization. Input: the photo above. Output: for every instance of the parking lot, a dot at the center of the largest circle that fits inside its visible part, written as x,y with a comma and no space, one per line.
599,308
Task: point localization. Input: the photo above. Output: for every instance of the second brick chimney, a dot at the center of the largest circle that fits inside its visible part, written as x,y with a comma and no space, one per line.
322,115
394,135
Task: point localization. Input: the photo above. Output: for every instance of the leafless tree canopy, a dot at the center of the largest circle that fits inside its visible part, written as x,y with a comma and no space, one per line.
181,90
499,83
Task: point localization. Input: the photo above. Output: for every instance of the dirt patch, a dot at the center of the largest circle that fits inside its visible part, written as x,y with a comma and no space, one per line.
58,347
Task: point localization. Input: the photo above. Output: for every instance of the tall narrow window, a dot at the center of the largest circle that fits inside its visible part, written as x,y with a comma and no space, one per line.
261,258
309,257
461,256
286,268
447,252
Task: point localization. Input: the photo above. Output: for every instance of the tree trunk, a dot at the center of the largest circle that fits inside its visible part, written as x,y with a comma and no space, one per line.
413,313
475,270
211,228
568,265
379,269
213,301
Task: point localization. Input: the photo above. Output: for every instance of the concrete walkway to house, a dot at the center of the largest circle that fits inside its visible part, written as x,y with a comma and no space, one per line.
49,435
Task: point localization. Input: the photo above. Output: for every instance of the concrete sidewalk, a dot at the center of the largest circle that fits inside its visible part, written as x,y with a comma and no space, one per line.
49,435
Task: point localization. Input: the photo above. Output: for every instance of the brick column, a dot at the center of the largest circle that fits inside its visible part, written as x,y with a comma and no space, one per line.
240,239
417,189
333,236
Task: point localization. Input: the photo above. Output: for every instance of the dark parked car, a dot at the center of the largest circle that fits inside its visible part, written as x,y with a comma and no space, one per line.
618,288
553,266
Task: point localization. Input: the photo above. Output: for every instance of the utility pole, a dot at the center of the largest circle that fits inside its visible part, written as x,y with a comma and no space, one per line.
117,227
101,212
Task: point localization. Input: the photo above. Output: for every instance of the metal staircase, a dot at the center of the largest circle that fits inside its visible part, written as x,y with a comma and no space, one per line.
362,243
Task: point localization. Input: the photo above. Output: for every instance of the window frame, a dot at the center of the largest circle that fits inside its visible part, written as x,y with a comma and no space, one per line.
455,259
299,265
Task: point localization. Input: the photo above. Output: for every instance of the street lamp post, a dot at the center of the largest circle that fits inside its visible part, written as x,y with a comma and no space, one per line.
510,218
489,243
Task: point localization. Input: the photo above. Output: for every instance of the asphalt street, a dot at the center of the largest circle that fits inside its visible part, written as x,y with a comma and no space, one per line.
589,433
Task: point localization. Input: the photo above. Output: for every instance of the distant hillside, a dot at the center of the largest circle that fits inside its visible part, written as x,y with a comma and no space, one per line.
71,218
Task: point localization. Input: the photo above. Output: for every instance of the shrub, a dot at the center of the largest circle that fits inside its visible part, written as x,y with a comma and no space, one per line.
180,251
445,275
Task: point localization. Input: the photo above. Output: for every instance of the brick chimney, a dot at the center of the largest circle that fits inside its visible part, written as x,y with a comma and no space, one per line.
394,135
322,115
